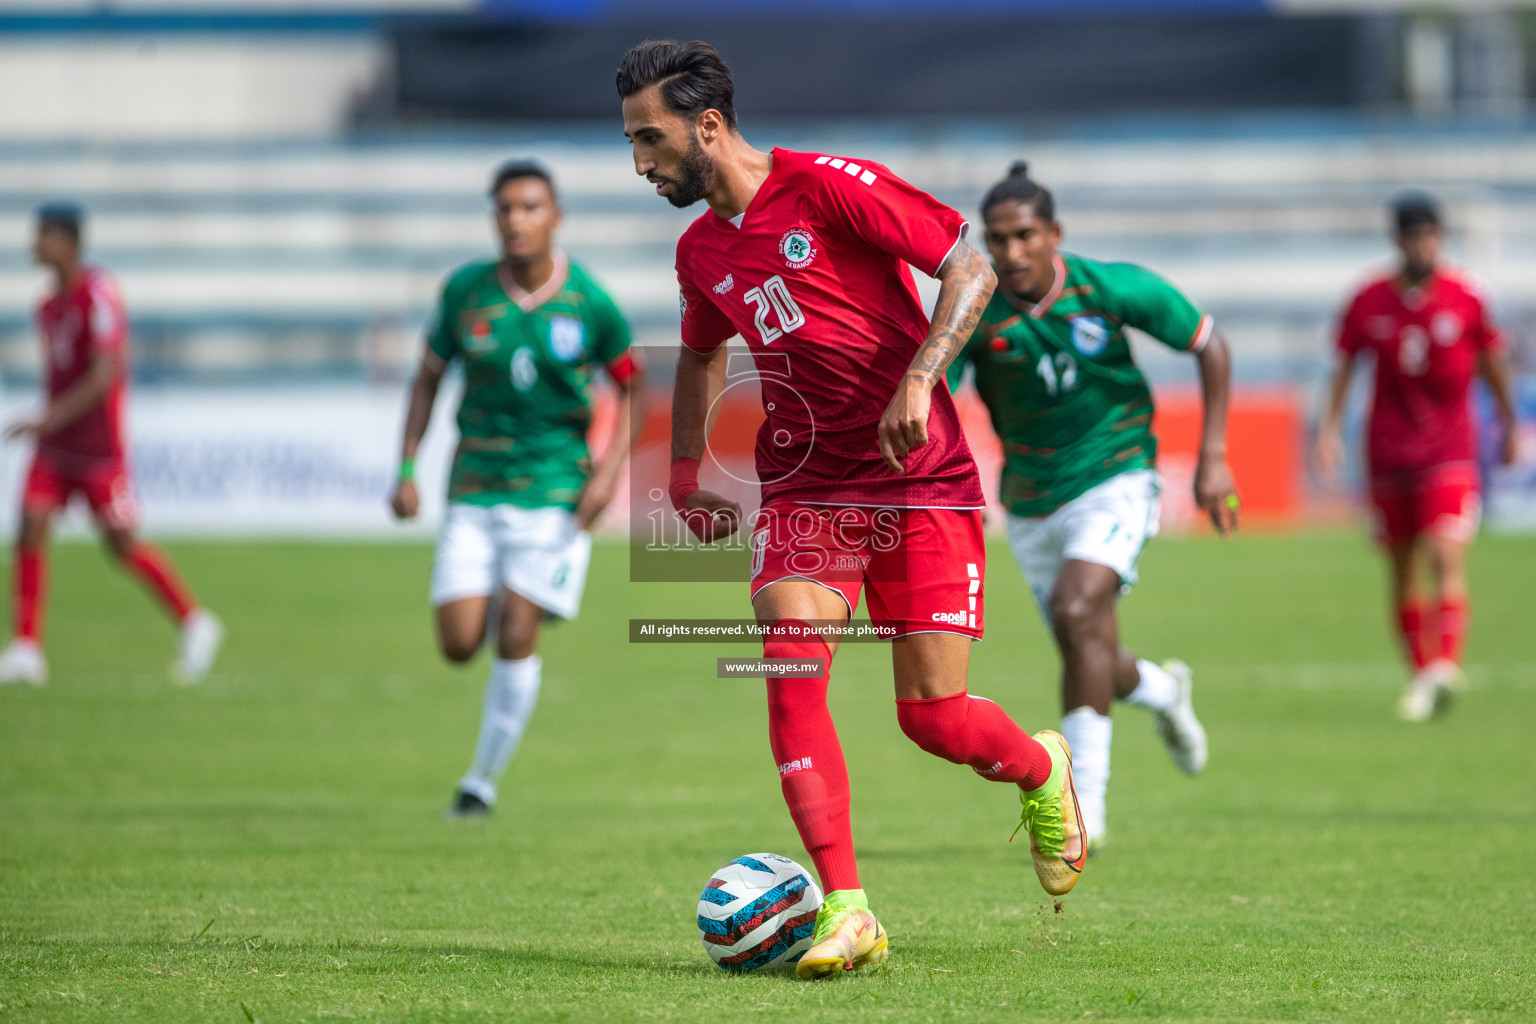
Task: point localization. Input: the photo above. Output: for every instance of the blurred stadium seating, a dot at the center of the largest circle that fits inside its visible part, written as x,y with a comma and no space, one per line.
266,260
283,223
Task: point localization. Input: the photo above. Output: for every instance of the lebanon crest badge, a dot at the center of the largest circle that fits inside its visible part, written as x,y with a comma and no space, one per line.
798,247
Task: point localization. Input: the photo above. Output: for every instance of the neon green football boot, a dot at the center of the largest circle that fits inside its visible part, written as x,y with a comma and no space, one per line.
847,937
1058,843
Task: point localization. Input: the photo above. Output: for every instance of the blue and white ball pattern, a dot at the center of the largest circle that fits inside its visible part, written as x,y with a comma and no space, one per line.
758,912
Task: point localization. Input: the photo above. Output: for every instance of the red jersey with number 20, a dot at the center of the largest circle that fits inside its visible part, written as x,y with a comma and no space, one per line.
1426,341
75,325
813,276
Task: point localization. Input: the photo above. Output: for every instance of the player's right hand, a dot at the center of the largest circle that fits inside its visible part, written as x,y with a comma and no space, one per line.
904,426
1330,451
1509,448
405,502
24,428
710,516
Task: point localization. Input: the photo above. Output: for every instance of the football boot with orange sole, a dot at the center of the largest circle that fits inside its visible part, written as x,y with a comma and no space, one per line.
847,937
1058,842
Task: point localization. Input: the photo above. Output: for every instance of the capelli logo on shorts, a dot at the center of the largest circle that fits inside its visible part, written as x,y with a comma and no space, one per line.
950,618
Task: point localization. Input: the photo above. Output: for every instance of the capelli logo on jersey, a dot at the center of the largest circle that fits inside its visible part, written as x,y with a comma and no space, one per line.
798,247
726,285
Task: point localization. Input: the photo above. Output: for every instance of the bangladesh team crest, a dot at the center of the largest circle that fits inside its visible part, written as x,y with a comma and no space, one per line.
798,247
1090,335
565,338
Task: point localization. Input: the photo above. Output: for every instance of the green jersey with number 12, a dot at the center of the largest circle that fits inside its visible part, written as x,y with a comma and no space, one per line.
528,364
1066,396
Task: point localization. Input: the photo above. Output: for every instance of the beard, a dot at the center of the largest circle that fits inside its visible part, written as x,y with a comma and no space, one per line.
695,175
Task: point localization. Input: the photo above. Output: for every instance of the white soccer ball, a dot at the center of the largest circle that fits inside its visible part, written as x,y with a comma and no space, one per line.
758,912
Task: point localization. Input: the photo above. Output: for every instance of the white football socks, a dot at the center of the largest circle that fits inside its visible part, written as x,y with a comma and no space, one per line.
1088,733
510,697
1157,690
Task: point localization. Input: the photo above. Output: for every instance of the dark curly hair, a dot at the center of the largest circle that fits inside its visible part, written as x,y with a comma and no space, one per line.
692,76
1018,187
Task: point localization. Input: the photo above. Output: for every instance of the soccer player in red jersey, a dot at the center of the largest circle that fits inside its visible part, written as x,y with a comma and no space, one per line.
80,448
866,479
1430,331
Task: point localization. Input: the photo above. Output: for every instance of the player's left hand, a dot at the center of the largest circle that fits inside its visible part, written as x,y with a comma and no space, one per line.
1216,493
904,426
595,497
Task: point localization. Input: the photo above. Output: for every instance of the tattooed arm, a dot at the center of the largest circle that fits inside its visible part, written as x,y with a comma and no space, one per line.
966,282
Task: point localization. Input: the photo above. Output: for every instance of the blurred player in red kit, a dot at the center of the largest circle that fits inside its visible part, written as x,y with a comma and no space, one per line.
1429,328
81,449
867,483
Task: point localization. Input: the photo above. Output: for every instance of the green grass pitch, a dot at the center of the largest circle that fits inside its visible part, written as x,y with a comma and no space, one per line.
269,846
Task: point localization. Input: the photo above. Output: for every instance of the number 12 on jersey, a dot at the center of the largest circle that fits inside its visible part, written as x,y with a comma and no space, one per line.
774,295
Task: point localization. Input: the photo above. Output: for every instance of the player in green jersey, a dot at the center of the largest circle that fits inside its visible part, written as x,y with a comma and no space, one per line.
1080,484
529,329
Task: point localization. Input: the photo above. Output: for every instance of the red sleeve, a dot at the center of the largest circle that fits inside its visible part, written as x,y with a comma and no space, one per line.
108,320
1351,337
888,213
1485,334
705,328
623,367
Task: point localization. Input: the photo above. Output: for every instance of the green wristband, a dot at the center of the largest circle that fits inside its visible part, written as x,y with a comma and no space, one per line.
408,468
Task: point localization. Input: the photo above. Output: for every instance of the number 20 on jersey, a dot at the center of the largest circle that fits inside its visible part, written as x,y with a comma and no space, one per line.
773,297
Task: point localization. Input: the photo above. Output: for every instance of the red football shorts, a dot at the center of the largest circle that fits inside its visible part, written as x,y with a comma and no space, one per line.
1442,501
104,484
923,568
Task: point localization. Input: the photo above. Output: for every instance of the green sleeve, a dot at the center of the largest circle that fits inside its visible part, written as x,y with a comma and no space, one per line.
610,331
1145,301
442,333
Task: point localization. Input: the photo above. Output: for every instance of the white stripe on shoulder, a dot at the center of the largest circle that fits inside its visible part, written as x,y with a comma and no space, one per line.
849,168
965,226
1202,333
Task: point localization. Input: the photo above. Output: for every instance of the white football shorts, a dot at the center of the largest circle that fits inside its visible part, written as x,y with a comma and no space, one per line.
1107,525
536,552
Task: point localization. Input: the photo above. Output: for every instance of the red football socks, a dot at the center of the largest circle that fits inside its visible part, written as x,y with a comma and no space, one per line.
812,772
1410,623
151,566
976,732
1454,616
29,586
